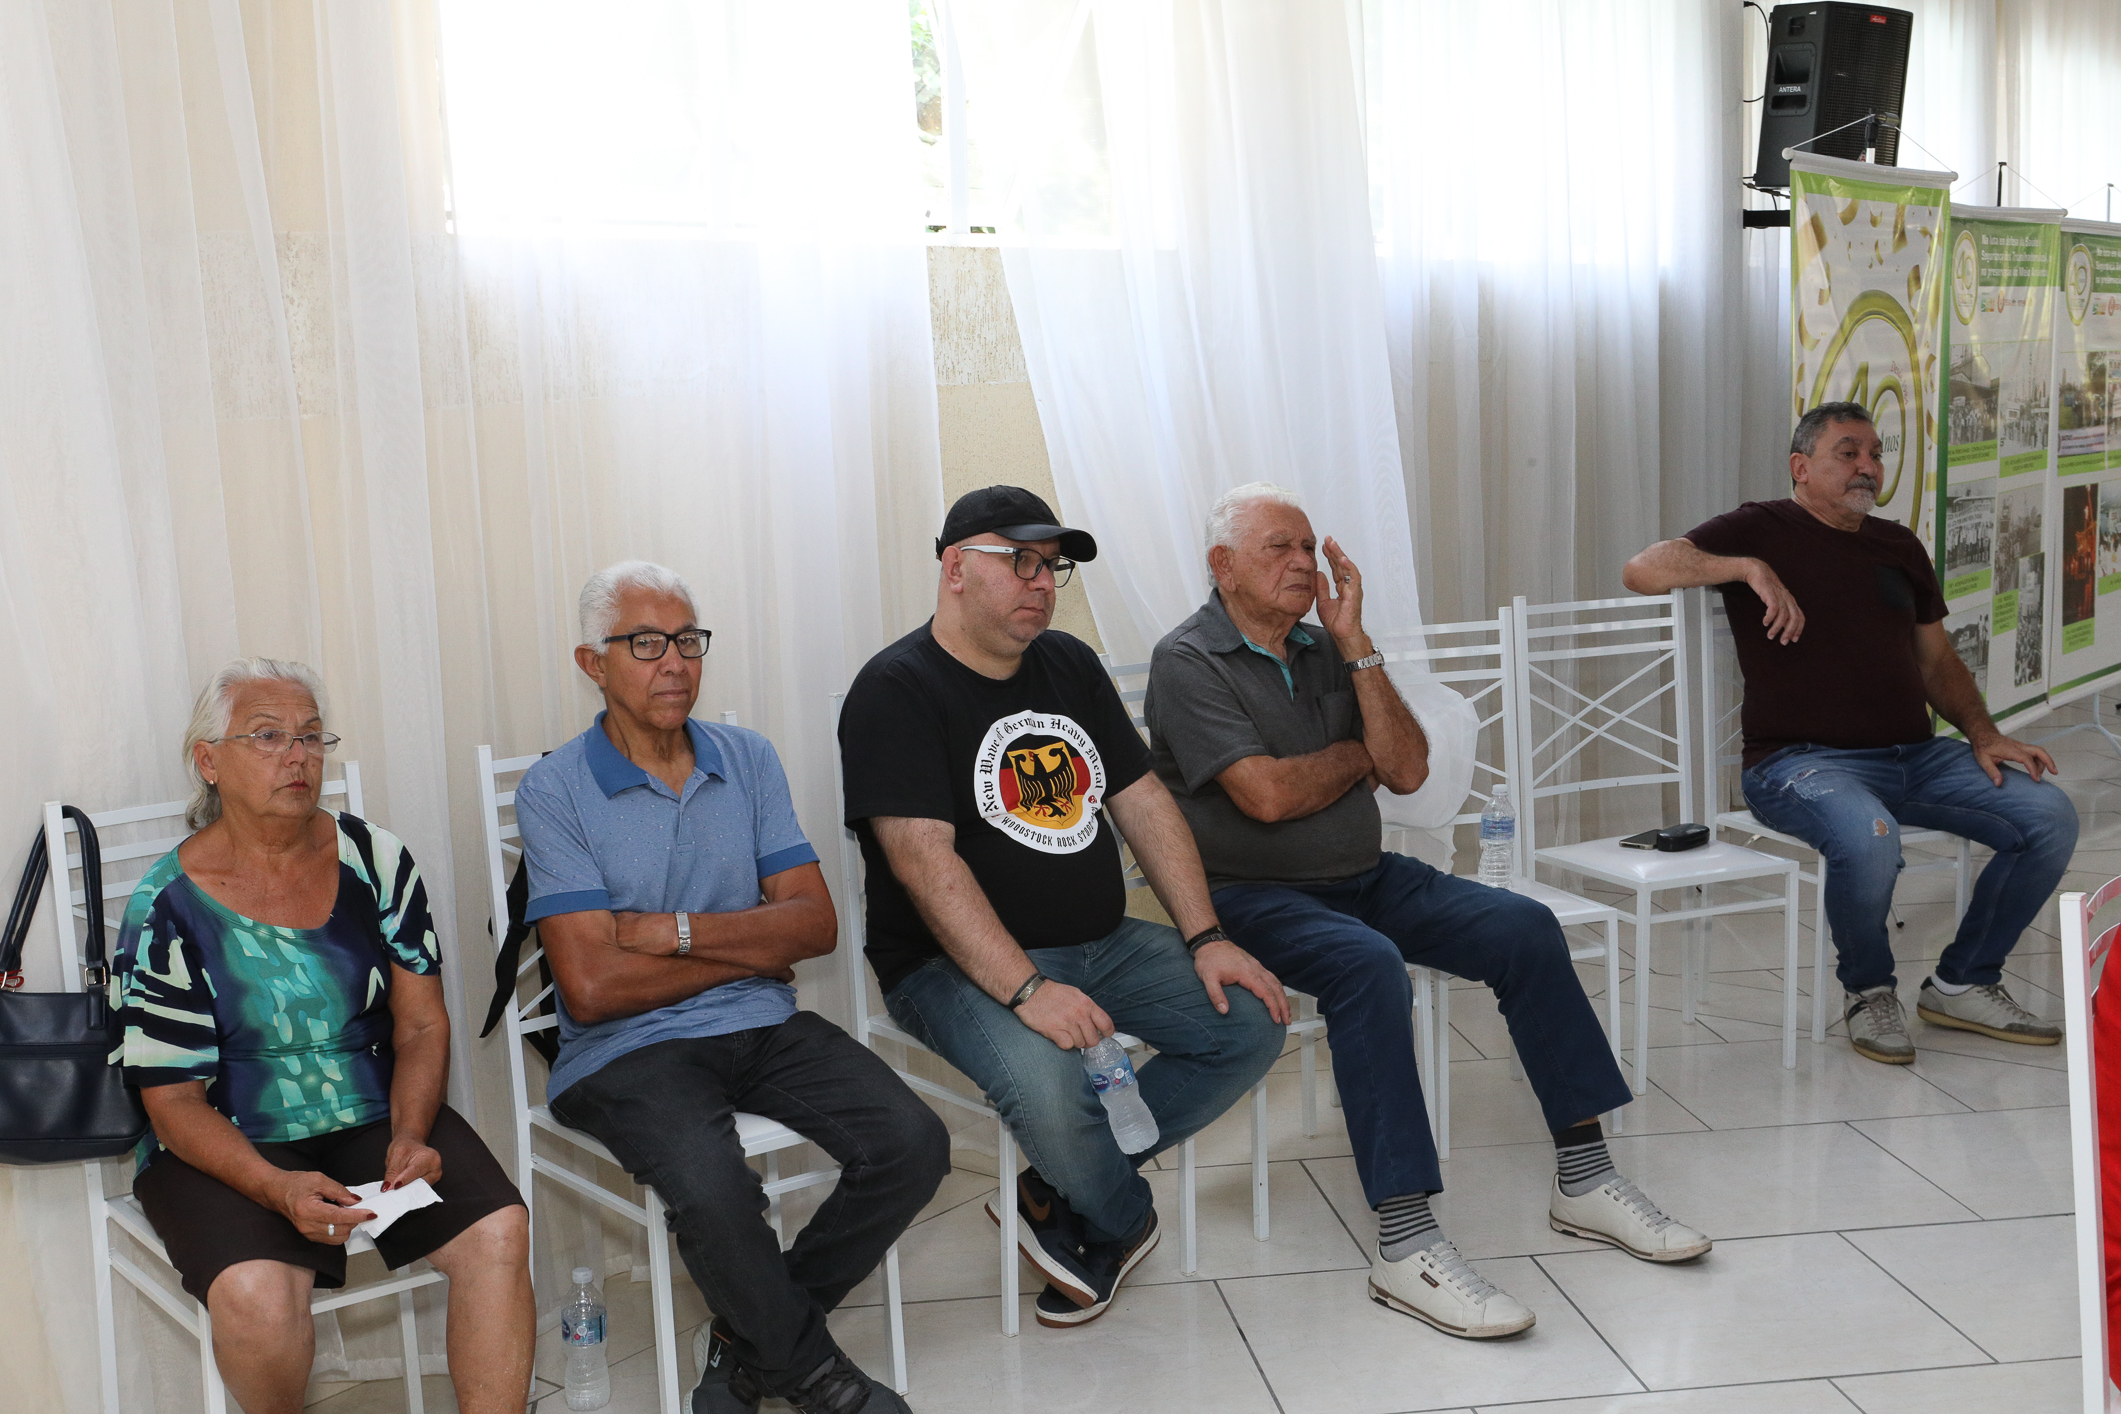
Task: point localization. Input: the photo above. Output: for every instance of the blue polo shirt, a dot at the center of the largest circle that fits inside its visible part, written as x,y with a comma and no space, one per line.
600,833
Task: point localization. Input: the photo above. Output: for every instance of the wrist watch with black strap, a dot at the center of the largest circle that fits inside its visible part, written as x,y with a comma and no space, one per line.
1205,936
1023,994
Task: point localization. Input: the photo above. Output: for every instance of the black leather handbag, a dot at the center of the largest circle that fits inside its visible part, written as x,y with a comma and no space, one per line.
61,1100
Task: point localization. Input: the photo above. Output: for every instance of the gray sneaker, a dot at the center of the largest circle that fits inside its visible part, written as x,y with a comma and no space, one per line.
1989,1010
1878,1027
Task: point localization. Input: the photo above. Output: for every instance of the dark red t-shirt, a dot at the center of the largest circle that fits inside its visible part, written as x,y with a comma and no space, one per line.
1851,680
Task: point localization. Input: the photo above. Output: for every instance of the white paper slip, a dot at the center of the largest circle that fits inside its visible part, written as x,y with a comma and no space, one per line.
389,1207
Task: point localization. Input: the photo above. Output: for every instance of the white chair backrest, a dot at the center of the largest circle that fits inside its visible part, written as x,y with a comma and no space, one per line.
1603,704
2082,956
1719,733
130,840
1474,658
498,778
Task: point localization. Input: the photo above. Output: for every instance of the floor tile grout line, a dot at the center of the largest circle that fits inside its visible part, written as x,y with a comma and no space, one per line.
1889,1276
1330,1205
1239,1327
1850,1125
1592,1326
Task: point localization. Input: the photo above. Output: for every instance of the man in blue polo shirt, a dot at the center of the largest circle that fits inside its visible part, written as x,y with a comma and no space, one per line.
674,894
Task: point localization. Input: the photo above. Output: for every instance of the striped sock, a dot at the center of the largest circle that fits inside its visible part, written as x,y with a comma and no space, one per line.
1406,1226
1580,1159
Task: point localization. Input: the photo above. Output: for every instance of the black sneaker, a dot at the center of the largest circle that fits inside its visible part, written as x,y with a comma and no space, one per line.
1108,1264
725,1387
839,1387
1050,1236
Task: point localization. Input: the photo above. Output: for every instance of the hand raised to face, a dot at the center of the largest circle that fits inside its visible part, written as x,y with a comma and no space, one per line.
1339,593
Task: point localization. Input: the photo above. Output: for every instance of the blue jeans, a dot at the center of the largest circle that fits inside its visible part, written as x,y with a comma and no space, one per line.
1140,974
1850,805
1348,944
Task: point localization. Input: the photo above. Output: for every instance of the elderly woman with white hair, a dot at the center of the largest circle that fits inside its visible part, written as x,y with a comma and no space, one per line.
282,998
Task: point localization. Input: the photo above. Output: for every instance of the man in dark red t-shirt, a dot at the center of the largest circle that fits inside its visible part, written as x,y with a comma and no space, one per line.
1839,626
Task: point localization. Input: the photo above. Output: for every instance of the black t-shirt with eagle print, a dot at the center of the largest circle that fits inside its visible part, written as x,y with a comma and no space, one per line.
1022,768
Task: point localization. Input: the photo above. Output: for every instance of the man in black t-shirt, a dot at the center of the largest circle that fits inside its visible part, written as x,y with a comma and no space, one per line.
982,754
1839,626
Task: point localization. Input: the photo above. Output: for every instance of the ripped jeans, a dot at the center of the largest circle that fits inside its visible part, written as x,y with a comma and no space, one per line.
1850,805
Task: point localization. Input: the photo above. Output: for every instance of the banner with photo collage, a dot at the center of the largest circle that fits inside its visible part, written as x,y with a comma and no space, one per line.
2087,497
1995,482
1866,243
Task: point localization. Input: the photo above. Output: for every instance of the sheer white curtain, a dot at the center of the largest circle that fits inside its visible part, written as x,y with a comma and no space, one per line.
1555,187
258,397
1190,263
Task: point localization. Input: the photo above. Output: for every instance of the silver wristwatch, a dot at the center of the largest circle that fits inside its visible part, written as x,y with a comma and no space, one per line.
1375,660
684,934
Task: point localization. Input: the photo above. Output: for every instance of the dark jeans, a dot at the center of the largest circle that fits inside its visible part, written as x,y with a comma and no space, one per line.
1850,805
667,1111
1140,974
1348,944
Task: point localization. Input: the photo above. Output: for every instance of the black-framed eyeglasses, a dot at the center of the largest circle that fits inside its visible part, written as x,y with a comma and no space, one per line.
1027,563
274,742
648,647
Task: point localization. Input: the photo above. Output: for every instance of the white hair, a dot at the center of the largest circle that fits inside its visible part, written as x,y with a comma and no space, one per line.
210,716
1223,515
599,606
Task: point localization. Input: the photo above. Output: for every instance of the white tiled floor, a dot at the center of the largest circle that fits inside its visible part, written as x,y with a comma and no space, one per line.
1889,1240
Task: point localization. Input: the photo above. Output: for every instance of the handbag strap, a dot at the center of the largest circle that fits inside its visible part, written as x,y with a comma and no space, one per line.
95,973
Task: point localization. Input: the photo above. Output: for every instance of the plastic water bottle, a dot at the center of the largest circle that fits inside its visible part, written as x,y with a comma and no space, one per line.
1112,1076
582,1332
1498,840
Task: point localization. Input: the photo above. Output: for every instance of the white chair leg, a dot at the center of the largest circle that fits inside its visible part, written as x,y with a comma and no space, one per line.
106,1308
1618,1118
1443,1066
1005,1204
1789,969
1306,1009
1259,1161
1819,958
895,1315
1642,990
1189,1229
773,1204
670,1397
210,1371
1963,882
1425,1040
409,1337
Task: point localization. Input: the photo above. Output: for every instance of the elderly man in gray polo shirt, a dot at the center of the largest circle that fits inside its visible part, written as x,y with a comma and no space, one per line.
674,894
1274,735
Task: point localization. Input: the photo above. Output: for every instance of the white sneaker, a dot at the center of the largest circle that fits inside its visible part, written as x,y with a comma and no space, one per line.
1878,1027
1989,1010
1439,1286
1617,1213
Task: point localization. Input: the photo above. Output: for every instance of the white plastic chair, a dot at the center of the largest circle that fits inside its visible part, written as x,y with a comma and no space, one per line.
124,862
2083,954
1576,742
761,1138
1721,739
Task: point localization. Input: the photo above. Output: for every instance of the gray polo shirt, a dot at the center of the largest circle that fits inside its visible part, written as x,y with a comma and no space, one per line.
1215,698
601,834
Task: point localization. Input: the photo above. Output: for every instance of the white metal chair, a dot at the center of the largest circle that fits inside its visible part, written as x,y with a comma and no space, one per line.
2083,955
124,862
1476,658
1720,757
1575,742
762,1138
1131,682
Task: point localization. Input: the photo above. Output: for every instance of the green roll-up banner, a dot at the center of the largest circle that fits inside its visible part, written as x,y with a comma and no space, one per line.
2086,500
1995,480
1866,248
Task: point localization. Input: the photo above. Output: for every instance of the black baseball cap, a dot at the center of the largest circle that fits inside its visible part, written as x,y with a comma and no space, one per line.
1015,514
